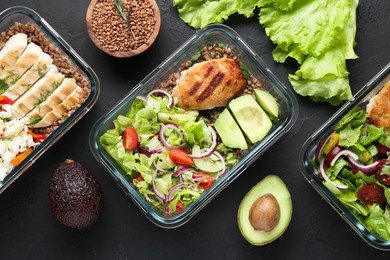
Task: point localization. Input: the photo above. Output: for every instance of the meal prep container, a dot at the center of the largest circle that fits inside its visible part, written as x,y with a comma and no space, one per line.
23,15
307,154
211,34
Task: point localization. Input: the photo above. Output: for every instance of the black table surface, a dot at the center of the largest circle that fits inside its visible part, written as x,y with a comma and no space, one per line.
28,229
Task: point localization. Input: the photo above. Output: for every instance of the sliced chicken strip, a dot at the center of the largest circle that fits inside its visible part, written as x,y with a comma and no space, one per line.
11,51
59,111
25,61
45,121
67,86
39,92
72,100
38,70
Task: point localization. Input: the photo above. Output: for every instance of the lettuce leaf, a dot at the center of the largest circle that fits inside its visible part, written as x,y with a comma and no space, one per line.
199,13
319,35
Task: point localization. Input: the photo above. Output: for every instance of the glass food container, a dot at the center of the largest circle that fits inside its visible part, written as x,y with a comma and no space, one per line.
21,16
309,167
219,34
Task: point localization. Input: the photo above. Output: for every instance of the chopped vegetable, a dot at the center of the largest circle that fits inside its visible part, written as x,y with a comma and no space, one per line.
20,157
16,141
161,165
361,184
130,138
180,157
5,100
204,179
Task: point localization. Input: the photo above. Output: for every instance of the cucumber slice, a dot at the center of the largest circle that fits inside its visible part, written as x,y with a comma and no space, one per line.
209,164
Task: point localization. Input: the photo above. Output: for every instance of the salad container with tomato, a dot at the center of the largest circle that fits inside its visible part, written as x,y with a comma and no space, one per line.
347,162
171,161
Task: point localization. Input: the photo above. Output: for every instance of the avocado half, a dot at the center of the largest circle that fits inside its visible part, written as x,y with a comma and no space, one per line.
270,185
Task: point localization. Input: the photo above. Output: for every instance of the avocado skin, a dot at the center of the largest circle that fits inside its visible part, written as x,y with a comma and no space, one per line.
75,197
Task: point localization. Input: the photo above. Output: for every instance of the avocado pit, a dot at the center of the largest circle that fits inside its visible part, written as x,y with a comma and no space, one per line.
264,214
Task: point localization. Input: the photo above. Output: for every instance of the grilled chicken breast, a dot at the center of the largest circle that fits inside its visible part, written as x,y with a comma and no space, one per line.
209,84
11,51
378,108
25,61
60,109
38,70
61,92
39,92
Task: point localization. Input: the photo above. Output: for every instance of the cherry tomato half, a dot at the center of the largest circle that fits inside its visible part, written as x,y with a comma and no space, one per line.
329,157
206,179
130,138
179,206
180,157
139,177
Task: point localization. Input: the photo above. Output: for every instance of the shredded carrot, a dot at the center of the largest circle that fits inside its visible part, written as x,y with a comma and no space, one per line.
20,157
36,136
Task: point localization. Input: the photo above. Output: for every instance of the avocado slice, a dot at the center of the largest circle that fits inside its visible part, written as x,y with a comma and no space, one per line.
229,131
252,119
267,102
260,230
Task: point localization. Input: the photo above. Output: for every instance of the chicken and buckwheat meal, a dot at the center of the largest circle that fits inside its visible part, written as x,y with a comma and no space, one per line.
354,162
39,89
177,140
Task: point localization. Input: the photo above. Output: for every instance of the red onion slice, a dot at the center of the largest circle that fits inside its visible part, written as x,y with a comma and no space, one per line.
171,101
162,136
177,187
142,98
223,163
181,170
353,158
158,168
208,151
168,198
365,168
156,191
326,178
197,178
321,145
348,153
148,153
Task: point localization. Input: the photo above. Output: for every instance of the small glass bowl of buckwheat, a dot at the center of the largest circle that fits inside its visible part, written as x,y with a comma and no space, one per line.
123,28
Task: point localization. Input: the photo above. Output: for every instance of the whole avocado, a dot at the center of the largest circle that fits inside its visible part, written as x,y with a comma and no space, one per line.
75,196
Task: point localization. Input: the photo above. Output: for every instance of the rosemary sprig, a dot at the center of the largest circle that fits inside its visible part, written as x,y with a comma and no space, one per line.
123,14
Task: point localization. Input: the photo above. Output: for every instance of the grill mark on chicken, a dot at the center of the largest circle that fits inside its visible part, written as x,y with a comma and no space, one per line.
209,84
208,71
211,87
195,88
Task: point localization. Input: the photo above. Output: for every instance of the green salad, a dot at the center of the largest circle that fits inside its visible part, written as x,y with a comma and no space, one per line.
171,154
354,162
